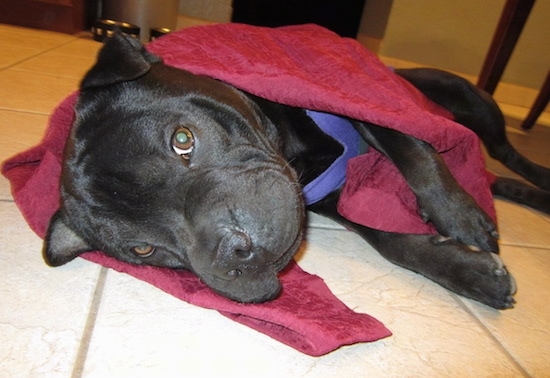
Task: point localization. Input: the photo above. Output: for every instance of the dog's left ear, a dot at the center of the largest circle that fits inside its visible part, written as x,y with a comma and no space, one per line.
62,244
122,58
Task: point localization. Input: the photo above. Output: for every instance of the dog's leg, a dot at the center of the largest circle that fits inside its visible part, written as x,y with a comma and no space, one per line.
520,192
479,275
452,211
476,109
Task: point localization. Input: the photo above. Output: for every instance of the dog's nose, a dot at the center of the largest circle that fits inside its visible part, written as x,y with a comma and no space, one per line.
234,249
235,246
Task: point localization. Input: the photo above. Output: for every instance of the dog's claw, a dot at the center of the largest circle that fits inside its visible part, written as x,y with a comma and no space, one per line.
440,239
424,215
513,287
510,301
501,272
498,260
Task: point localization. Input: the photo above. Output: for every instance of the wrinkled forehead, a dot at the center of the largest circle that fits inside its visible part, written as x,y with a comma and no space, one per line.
164,97
124,132
169,84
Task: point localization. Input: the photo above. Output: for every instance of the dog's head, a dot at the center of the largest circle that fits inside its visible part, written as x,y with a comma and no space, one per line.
170,169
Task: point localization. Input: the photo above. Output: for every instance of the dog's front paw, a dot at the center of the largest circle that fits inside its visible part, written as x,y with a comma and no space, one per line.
496,286
463,220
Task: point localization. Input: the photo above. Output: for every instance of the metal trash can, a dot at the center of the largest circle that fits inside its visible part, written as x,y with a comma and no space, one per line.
147,14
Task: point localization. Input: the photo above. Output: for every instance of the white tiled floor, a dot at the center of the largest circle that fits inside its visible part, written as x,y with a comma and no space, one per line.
84,320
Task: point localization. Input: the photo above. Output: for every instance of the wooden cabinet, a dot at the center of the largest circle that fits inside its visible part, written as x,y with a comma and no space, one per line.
66,16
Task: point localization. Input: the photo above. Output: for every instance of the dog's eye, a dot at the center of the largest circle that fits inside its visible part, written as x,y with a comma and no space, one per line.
183,142
143,250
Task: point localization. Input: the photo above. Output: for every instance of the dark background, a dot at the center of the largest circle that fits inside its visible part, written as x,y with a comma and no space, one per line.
342,16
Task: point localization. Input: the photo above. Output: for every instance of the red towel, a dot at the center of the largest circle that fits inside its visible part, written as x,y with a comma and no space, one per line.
313,68
306,316
304,66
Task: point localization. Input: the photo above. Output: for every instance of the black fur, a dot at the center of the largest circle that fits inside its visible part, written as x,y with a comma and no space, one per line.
230,209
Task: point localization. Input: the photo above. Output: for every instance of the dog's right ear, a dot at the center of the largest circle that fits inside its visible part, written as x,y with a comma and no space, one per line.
62,244
122,58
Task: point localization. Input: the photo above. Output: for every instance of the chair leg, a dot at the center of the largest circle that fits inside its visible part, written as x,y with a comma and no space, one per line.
511,22
539,105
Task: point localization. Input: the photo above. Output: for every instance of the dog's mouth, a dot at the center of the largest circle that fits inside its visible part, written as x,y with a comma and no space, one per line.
250,231
252,283
285,258
276,265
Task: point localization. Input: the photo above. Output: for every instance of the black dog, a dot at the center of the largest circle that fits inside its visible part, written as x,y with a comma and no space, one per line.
167,168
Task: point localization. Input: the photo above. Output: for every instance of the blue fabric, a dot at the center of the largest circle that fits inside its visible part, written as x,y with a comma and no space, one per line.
334,177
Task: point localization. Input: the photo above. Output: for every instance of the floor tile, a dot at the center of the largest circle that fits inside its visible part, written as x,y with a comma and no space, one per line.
20,131
532,144
141,331
33,92
319,221
84,46
58,64
519,225
5,192
520,112
13,54
44,310
173,335
428,323
32,38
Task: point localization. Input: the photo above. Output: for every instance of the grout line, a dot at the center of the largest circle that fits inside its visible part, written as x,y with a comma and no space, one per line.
50,74
26,111
327,227
38,54
523,245
82,353
488,332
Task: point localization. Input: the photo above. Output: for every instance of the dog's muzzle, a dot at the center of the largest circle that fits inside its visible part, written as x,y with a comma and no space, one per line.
252,226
